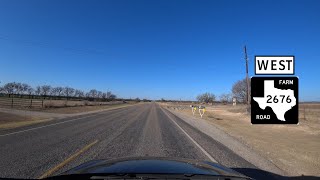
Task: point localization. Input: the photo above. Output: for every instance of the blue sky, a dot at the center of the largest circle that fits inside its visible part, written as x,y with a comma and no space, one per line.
155,49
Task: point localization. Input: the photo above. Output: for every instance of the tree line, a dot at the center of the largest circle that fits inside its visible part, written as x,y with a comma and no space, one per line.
238,91
15,88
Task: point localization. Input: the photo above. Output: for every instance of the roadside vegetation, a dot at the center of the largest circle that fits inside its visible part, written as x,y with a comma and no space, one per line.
21,95
22,104
238,91
17,95
206,98
23,90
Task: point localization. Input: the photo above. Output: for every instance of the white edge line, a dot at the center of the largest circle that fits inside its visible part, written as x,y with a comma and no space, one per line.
198,145
17,132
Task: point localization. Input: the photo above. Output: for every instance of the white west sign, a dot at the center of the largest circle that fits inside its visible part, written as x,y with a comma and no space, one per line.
274,65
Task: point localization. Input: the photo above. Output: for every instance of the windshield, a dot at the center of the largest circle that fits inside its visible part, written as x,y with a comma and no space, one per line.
222,88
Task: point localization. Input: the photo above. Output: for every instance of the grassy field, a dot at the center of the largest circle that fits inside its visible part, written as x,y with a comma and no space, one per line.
294,148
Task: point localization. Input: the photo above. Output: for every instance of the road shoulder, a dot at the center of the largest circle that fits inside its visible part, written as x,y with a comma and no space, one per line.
230,142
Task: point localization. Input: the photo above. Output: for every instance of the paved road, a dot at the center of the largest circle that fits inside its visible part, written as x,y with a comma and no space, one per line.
140,130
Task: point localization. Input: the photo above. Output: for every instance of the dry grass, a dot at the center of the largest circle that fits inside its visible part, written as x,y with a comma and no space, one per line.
309,114
80,109
294,148
8,120
20,124
65,103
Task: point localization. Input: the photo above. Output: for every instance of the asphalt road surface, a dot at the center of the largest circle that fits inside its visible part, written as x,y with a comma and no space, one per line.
140,130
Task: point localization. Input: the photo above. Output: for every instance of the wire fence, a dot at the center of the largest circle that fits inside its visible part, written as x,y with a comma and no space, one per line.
16,102
21,103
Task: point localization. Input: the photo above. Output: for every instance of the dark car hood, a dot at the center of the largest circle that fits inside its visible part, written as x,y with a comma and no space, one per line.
153,165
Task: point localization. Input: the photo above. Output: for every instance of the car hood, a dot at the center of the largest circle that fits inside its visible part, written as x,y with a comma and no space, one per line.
153,165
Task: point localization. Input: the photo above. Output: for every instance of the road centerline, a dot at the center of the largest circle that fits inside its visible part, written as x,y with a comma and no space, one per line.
66,161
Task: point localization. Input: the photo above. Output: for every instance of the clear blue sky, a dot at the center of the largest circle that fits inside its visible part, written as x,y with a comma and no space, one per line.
152,49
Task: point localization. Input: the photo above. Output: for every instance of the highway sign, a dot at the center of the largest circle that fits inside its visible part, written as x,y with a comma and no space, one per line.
274,100
267,65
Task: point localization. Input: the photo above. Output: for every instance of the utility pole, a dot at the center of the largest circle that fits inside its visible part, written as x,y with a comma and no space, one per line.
247,77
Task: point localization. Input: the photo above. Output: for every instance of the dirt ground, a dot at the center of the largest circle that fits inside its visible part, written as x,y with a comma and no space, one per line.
293,148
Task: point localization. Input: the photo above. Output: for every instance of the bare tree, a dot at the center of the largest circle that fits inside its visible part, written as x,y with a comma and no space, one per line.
38,91
58,91
206,97
225,98
108,94
239,90
53,92
68,91
93,93
104,96
15,88
9,88
112,97
18,88
99,94
45,90
29,90
25,88
78,93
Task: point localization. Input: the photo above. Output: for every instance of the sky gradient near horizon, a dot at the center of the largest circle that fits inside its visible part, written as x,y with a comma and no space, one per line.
173,49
